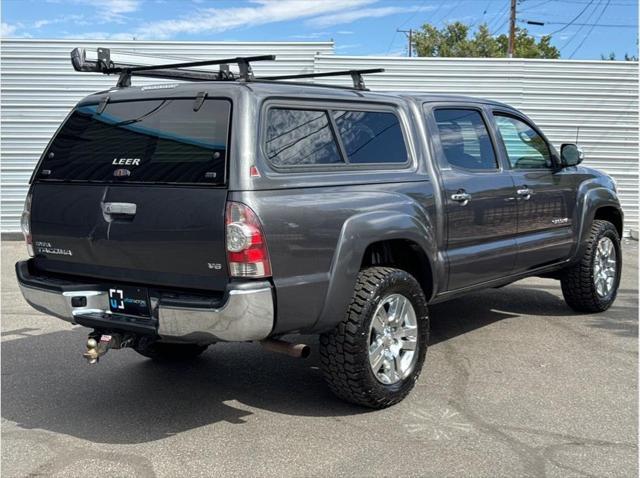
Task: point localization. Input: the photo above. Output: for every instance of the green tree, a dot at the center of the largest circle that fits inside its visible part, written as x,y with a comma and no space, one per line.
484,45
453,41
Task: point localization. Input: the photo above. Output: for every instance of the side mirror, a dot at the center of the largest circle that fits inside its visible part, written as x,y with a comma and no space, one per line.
570,155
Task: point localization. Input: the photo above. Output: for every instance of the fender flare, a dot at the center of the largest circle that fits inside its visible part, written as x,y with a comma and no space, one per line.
357,233
591,197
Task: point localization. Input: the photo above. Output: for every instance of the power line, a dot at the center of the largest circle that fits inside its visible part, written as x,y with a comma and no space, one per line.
574,19
581,28
604,25
537,6
497,17
415,12
392,40
455,7
619,4
501,25
484,12
589,32
437,9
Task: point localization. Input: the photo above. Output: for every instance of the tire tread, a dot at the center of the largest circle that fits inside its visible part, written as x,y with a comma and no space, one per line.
577,281
342,348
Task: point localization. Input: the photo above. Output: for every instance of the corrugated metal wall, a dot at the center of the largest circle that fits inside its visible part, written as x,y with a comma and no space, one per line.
600,97
39,87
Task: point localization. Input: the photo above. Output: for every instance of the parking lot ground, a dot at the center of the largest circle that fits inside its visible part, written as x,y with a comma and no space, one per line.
515,384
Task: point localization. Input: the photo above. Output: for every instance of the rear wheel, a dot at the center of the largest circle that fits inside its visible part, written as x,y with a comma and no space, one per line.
591,285
375,355
170,352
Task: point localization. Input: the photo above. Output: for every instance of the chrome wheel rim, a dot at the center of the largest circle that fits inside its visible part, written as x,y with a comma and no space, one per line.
393,339
605,267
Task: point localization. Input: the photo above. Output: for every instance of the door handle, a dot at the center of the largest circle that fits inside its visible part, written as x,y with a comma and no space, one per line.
462,197
124,208
525,193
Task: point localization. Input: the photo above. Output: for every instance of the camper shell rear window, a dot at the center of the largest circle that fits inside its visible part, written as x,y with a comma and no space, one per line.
145,141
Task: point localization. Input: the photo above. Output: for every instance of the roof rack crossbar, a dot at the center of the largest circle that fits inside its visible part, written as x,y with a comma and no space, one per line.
243,63
356,76
186,75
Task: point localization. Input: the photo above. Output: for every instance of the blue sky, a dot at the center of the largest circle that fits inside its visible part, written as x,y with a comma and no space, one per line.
358,27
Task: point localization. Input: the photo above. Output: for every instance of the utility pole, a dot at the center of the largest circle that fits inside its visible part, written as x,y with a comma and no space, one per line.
410,37
512,30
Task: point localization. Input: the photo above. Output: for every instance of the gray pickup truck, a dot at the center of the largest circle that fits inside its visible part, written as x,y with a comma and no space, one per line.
226,207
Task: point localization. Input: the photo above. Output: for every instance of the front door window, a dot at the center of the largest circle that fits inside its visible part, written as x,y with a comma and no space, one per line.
526,149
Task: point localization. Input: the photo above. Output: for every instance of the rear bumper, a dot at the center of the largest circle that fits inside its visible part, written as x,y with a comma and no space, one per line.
246,312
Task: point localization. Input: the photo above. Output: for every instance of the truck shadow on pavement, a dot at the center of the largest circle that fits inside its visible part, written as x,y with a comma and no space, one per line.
477,310
128,399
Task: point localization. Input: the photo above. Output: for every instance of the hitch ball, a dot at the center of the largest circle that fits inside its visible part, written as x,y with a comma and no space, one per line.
99,344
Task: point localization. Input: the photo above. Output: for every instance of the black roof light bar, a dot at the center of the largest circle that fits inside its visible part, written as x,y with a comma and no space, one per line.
174,71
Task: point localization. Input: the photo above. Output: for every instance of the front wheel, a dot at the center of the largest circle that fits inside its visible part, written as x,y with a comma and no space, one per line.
374,356
591,285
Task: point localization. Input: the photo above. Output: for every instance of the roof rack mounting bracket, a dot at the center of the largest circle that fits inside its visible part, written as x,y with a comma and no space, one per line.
225,73
124,80
358,81
246,73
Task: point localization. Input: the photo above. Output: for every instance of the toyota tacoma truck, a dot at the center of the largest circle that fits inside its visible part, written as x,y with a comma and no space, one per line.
229,207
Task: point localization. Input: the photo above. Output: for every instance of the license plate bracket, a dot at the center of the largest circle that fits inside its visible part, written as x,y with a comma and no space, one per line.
129,300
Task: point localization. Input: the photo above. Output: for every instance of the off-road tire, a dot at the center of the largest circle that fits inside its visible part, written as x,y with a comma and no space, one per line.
344,351
170,352
577,282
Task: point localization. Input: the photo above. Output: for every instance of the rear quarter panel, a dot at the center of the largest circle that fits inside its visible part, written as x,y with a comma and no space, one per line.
317,237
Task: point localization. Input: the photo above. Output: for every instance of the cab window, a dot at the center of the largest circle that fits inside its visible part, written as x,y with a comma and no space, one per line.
465,140
525,148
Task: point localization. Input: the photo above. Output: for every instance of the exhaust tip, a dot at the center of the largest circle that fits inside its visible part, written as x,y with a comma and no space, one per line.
287,348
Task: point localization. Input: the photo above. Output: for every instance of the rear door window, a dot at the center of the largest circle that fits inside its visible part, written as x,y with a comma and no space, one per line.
464,139
150,141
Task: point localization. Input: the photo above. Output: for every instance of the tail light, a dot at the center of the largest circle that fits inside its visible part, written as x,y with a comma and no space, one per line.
25,225
247,251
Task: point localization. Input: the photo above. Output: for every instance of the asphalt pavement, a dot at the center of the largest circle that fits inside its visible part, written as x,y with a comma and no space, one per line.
515,384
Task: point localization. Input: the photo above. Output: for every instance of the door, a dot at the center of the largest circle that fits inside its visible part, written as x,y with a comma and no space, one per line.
479,202
546,195
135,192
